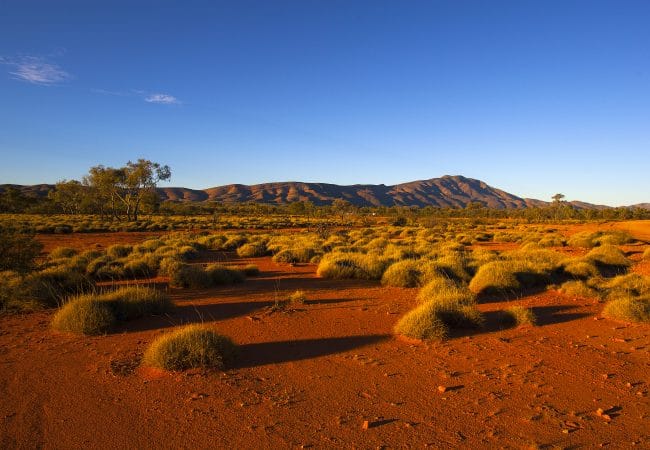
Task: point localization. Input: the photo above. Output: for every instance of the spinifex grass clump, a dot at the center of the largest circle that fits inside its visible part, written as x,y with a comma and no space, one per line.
519,316
433,320
608,256
443,306
352,265
628,309
97,313
579,288
405,273
192,346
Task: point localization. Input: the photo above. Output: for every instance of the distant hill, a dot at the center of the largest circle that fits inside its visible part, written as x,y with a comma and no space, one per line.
447,191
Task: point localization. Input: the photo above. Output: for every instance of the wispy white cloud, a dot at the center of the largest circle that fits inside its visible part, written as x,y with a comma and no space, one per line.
161,99
164,99
35,70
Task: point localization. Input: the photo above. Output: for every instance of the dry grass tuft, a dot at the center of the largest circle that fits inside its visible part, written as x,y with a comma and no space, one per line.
192,346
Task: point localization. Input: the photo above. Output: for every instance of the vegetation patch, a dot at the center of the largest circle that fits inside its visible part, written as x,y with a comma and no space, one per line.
518,316
94,314
192,346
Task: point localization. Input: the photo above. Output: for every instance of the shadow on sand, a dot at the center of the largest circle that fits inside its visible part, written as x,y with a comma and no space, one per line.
260,354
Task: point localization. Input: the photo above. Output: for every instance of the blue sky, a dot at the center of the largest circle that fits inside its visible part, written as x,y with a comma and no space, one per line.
533,97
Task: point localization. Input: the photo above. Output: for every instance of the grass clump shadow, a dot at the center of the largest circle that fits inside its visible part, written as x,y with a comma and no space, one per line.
192,346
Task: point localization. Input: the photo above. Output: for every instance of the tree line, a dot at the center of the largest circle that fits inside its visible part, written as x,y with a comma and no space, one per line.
124,193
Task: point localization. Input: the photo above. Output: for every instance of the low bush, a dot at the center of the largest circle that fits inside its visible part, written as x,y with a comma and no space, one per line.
351,265
219,274
628,309
608,255
431,320
117,251
496,277
192,346
251,270
98,313
580,268
253,249
62,252
406,273
578,288
518,316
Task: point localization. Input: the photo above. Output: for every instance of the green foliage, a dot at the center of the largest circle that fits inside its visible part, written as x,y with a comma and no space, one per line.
192,346
351,265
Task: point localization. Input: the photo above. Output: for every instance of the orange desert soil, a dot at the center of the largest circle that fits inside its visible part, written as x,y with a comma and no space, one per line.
312,377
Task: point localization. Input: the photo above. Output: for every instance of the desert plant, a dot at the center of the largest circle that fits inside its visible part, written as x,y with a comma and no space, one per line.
251,270
298,298
495,278
18,250
578,288
117,251
519,316
84,315
432,320
97,313
192,346
608,255
406,273
580,268
219,274
253,249
628,309
62,252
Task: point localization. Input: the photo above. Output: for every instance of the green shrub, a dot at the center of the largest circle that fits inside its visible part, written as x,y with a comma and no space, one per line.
628,309
519,316
192,346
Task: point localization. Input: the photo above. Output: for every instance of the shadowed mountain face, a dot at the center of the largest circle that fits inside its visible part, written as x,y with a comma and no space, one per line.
447,191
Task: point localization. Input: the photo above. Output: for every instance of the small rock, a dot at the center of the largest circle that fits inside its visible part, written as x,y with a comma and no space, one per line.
365,425
442,389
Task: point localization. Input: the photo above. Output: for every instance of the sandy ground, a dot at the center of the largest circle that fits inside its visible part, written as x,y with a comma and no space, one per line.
311,377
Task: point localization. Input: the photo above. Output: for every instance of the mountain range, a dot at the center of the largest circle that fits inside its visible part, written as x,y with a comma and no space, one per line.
447,191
